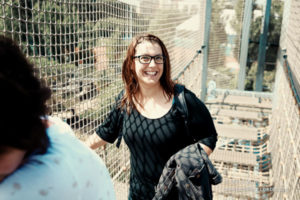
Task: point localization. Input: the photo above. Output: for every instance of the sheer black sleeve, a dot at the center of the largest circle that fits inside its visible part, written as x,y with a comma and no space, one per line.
201,123
110,128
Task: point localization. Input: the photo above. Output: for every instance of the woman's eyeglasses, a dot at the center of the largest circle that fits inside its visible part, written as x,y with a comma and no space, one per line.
144,59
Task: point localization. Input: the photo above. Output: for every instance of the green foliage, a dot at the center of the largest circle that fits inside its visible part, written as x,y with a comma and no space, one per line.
255,32
15,23
116,41
52,72
47,27
269,78
272,47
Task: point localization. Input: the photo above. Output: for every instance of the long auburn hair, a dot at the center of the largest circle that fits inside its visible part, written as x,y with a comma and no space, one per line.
130,78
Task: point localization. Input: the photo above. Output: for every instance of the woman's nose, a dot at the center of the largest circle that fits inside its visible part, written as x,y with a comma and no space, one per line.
152,63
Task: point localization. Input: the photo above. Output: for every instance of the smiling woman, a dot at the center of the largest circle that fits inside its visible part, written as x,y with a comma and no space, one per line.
146,116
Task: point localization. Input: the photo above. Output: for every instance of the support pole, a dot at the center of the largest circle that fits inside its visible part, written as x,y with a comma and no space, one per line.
208,10
262,48
245,43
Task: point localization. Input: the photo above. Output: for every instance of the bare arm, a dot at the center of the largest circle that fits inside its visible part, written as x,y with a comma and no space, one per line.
94,141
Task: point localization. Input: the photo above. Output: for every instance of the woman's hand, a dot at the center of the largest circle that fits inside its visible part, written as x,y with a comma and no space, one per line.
94,141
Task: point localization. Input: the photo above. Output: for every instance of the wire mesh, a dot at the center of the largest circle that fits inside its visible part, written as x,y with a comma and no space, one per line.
79,47
284,140
224,43
292,38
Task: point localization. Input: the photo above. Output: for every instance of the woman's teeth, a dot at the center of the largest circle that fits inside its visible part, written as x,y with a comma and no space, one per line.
151,73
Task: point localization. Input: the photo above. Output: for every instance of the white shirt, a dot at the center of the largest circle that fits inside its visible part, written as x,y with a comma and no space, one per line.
68,171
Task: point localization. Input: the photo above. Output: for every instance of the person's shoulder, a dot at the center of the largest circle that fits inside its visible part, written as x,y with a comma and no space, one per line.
118,99
42,179
179,88
31,180
59,125
66,157
120,94
192,99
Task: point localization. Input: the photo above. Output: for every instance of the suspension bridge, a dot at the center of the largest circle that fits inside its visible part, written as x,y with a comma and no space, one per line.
241,57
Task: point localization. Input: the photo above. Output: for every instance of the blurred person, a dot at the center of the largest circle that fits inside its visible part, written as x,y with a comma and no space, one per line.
40,157
146,116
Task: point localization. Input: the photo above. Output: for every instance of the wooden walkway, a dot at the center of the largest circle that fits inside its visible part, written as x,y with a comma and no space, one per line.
236,159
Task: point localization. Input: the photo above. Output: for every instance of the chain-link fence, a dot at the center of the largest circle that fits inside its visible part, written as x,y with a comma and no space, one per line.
224,42
285,121
79,47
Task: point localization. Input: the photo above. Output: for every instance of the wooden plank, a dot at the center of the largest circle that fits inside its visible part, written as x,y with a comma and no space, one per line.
236,187
241,101
236,132
247,101
241,114
233,157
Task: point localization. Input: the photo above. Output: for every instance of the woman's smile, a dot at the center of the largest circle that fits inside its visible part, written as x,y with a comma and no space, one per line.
148,73
151,73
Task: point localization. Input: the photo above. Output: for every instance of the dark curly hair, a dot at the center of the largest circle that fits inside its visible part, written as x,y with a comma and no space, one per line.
23,101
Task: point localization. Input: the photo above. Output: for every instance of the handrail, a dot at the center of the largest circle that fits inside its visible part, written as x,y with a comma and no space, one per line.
294,83
188,65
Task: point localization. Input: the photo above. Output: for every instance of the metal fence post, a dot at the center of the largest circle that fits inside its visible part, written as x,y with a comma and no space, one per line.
208,10
245,43
262,48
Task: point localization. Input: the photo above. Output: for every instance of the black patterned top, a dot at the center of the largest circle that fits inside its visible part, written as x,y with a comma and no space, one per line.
153,141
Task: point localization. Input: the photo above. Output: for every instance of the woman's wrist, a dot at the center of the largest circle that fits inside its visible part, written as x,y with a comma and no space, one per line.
207,149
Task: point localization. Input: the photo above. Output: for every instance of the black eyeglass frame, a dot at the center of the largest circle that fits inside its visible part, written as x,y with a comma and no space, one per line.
151,57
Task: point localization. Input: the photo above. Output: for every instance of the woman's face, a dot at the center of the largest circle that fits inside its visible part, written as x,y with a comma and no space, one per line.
148,74
10,159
